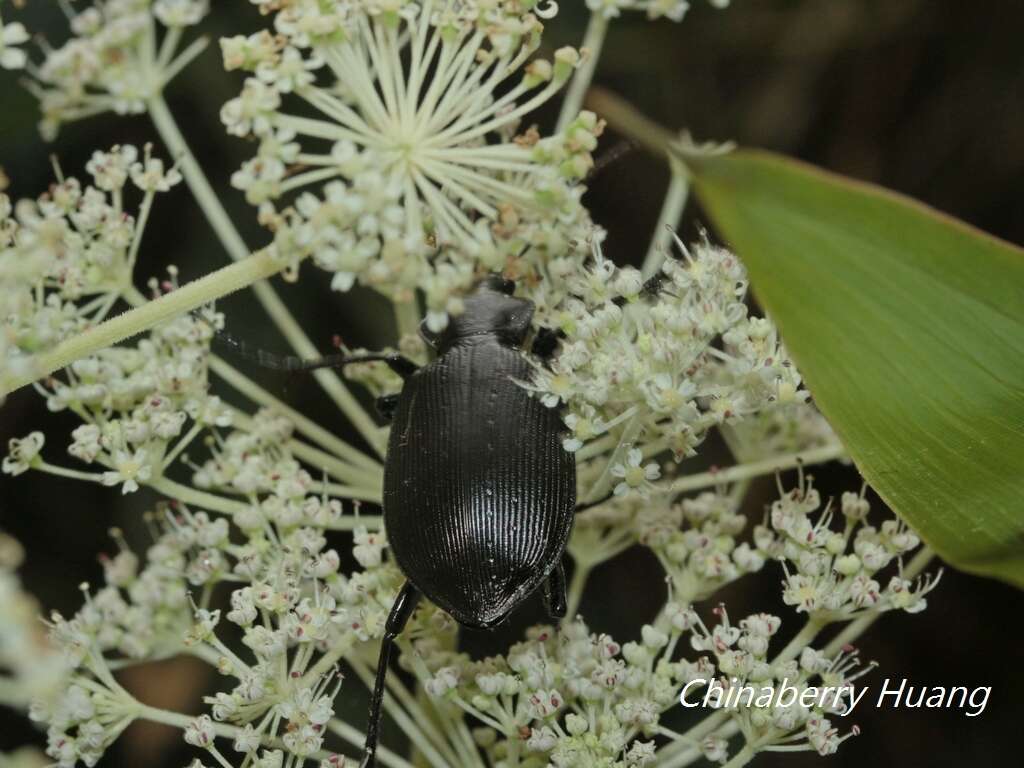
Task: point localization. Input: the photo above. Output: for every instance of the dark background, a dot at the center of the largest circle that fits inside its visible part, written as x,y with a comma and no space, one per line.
922,96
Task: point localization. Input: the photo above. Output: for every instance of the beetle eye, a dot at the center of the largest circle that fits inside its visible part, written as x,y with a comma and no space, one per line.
498,284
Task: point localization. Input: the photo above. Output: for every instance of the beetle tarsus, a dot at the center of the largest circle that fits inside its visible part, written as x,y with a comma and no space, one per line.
401,610
554,593
386,405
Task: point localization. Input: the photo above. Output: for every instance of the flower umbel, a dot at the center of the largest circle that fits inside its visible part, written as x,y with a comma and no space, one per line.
429,177
115,60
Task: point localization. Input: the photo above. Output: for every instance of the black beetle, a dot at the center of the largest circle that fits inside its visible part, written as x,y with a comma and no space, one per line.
479,494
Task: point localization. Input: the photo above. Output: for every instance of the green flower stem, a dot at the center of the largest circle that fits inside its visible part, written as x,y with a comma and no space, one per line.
358,477
306,426
189,495
753,469
596,447
216,503
73,474
593,40
265,294
202,291
184,59
671,211
688,754
604,483
575,592
13,693
681,751
356,738
801,640
407,318
349,492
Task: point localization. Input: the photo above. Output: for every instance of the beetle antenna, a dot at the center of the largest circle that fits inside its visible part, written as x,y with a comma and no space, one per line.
235,346
292,364
613,155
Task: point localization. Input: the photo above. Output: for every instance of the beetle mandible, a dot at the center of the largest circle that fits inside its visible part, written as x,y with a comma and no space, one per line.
479,494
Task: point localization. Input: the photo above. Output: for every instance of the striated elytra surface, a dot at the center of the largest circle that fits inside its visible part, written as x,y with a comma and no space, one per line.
479,494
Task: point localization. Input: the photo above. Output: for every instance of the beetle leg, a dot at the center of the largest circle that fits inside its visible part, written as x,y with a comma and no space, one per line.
386,405
554,593
545,343
587,505
401,610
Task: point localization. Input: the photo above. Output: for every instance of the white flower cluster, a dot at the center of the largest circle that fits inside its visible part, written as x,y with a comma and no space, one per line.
138,615
114,60
294,615
655,9
696,540
427,178
68,256
749,686
142,406
393,148
833,575
672,365
256,463
135,404
568,697
576,699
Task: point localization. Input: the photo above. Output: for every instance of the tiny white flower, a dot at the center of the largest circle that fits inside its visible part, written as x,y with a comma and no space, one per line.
11,35
635,476
180,13
22,453
129,470
200,732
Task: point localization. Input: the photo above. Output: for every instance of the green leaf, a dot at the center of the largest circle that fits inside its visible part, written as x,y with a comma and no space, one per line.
909,329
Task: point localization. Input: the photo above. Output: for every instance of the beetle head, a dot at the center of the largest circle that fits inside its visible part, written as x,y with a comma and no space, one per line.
490,310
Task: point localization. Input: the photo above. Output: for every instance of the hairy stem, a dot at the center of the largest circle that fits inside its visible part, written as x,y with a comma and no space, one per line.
190,296
739,472
227,506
